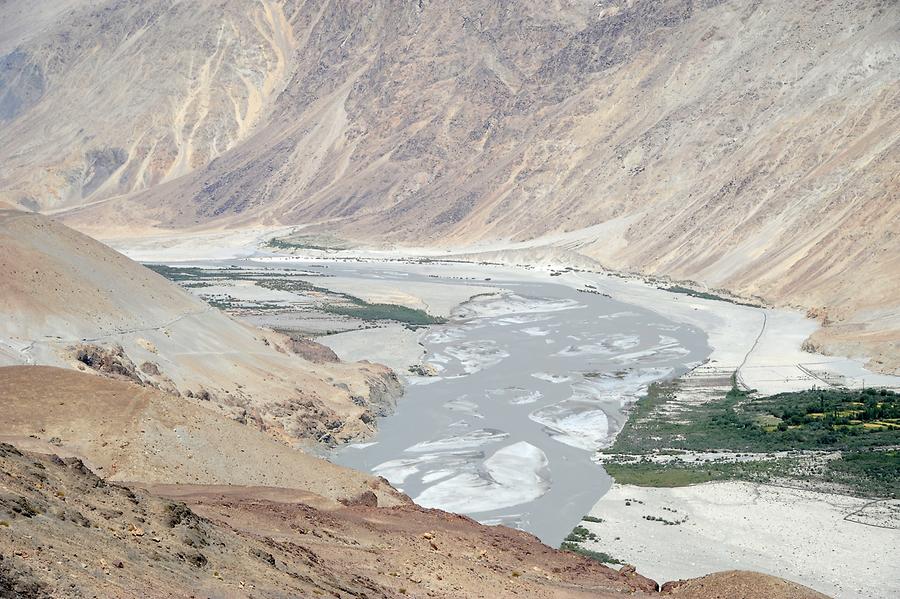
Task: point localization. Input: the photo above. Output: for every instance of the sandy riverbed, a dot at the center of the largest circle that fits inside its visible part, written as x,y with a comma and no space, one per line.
764,344
393,345
776,362
803,536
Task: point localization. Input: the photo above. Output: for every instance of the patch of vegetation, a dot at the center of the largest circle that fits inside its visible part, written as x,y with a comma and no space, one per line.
226,302
580,534
178,273
873,413
816,419
705,295
862,425
681,474
589,518
664,520
290,284
363,310
335,303
190,276
598,556
323,243
195,284
870,472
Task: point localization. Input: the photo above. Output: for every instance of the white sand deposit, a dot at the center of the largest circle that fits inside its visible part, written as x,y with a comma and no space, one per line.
419,295
573,422
799,535
476,356
393,345
512,476
525,308
179,246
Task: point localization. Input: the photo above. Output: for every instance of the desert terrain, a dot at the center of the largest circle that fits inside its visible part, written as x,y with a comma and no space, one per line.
66,532
117,485
449,299
844,543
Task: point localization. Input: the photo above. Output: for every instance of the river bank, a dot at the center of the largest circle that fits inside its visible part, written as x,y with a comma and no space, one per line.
843,546
763,346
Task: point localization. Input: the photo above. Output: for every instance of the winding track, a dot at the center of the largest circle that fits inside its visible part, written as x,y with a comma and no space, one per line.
737,372
26,351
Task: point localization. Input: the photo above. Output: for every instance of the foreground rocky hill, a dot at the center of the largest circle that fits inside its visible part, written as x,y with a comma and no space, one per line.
67,300
217,509
128,432
751,146
67,533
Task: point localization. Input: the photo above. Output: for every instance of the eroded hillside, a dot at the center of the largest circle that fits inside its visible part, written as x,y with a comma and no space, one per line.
68,300
66,532
129,94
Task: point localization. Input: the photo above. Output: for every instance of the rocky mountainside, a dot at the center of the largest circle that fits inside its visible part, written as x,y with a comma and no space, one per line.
65,532
129,94
68,300
746,145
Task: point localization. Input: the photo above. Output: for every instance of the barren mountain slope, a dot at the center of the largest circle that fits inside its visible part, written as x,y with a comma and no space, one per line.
747,145
67,300
127,94
66,532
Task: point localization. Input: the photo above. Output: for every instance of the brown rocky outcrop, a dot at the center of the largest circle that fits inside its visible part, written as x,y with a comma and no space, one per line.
312,351
737,584
110,360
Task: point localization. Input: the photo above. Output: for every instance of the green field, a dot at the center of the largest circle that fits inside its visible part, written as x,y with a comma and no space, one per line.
366,311
863,426
814,419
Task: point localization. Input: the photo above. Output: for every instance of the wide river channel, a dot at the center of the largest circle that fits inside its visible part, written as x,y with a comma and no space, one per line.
526,385
529,384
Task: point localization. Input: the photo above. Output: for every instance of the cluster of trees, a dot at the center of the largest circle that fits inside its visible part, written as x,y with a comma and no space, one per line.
827,409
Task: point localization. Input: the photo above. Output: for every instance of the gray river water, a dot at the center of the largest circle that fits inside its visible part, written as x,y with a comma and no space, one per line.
531,382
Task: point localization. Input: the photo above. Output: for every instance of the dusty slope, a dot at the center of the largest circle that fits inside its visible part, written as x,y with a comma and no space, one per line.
68,300
66,532
125,432
752,146
161,88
